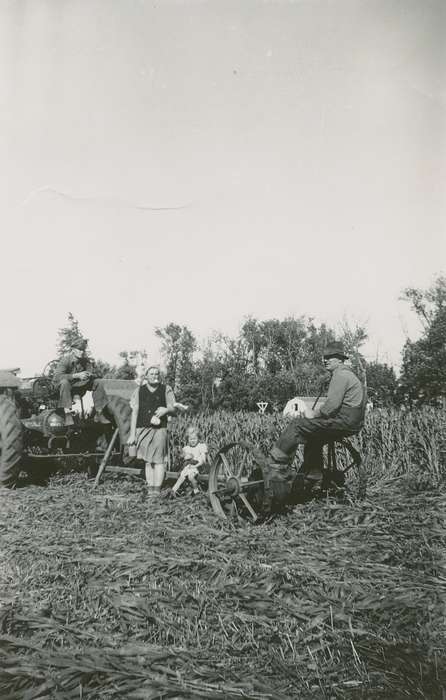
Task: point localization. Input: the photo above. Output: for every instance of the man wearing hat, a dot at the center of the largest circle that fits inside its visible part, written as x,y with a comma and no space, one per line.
342,413
74,375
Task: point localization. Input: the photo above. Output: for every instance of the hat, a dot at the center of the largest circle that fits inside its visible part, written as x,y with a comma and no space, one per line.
335,349
79,344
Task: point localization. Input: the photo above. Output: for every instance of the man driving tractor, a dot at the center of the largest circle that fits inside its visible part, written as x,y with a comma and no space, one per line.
340,415
74,374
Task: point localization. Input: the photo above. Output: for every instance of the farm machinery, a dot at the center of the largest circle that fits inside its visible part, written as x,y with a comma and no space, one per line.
242,484
33,432
34,438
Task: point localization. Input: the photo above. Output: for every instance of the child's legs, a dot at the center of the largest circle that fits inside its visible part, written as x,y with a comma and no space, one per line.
184,474
192,476
180,480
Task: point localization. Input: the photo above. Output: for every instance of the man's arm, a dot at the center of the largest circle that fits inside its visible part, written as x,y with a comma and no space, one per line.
63,369
90,367
335,396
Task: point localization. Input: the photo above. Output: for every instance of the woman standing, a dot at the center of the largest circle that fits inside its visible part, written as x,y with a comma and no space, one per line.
151,403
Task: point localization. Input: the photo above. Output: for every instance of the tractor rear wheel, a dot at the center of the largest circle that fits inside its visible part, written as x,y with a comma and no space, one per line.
11,443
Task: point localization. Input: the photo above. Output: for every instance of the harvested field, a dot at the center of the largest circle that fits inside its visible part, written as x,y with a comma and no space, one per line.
106,595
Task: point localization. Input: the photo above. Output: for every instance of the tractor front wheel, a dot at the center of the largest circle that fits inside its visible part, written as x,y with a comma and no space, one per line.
11,443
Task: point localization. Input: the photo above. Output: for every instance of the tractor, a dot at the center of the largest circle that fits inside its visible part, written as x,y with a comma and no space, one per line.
34,436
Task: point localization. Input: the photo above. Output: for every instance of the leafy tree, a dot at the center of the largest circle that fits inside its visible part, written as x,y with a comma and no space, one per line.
103,369
382,384
353,337
130,361
68,335
293,347
178,347
274,360
280,343
170,337
275,389
428,303
253,336
269,360
127,369
423,371
210,372
71,333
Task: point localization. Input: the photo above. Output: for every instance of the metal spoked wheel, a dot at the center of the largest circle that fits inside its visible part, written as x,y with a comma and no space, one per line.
236,485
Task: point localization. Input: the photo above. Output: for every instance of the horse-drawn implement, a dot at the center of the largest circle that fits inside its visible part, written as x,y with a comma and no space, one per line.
240,483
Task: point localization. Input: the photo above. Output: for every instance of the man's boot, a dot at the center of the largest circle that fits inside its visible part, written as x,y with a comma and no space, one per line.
312,465
278,478
67,416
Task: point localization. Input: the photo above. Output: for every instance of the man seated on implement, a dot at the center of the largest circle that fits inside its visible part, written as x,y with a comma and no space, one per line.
341,414
74,374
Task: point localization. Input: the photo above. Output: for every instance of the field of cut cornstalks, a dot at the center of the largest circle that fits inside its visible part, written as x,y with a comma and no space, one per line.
105,594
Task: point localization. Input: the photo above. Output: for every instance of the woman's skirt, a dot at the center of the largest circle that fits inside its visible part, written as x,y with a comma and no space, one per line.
151,445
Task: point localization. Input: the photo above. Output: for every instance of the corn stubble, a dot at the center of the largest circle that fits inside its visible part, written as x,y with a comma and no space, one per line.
106,595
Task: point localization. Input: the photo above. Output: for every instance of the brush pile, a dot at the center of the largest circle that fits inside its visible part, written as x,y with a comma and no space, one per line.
104,594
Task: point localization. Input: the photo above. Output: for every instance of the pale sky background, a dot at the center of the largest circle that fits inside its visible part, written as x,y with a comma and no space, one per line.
298,149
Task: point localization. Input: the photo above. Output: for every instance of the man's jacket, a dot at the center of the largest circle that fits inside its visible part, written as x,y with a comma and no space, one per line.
69,365
345,403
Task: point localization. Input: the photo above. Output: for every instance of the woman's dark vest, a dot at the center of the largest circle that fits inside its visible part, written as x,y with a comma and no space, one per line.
149,401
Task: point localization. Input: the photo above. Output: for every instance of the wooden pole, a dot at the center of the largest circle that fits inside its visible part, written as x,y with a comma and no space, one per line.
105,458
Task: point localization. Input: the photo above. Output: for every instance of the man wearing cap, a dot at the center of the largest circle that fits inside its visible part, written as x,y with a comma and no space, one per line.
74,375
342,413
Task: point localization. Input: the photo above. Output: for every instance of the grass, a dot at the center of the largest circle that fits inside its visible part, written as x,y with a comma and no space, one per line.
104,594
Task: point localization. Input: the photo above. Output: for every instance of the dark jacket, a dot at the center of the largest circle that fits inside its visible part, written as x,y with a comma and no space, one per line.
69,365
148,402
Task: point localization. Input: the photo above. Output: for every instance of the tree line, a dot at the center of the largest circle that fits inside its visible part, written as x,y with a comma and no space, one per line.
277,359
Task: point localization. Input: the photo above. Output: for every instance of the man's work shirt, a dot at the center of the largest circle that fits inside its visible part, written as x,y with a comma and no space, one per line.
344,390
69,365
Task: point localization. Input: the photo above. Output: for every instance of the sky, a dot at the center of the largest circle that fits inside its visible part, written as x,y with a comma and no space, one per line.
201,162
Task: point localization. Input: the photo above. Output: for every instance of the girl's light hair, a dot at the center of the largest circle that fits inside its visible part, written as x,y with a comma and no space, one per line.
191,428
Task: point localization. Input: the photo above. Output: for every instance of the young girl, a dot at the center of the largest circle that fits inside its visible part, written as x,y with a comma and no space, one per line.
194,454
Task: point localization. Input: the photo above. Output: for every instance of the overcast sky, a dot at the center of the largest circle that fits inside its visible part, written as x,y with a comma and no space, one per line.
199,162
